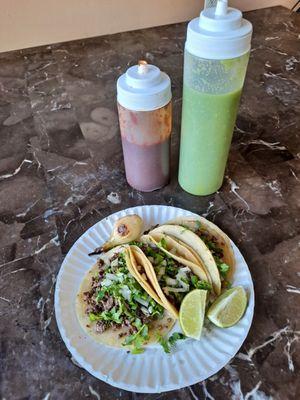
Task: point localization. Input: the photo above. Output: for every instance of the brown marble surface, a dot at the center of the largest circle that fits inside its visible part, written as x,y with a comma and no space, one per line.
61,159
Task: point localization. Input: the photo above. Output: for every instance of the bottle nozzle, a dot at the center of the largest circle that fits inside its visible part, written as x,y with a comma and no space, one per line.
142,66
221,8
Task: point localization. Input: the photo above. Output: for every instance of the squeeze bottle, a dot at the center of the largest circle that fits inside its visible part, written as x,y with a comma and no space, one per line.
215,63
145,117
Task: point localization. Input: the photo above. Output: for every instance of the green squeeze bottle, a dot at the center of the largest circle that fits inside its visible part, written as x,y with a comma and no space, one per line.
215,63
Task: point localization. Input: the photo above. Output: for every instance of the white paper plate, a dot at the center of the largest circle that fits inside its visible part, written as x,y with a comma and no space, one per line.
153,371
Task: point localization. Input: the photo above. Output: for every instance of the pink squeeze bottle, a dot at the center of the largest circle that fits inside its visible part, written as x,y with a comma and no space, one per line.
145,116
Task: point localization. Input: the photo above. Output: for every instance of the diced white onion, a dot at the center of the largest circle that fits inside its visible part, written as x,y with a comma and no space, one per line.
115,262
120,276
141,301
145,310
181,275
125,292
106,282
164,263
171,281
151,259
112,277
185,269
184,285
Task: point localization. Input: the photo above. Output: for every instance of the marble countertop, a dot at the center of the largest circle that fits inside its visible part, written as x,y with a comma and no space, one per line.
61,170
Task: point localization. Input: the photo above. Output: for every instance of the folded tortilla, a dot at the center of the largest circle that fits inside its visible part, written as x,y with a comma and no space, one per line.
177,251
151,276
115,337
202,226
192,241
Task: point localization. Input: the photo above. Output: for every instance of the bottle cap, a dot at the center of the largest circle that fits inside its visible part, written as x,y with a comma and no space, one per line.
143,88
219,33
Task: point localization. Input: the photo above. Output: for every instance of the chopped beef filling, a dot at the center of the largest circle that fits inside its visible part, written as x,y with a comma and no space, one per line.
116,300
213,244
100,326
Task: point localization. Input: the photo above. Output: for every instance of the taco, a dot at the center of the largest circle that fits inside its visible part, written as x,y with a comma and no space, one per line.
171,270
142,264
215,239
190,240
116,304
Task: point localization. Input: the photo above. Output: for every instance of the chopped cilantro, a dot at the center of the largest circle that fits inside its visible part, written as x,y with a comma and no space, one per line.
223,269
137,340
204,285
94,317
158,258
100,294
194,280
116,315
198,284
164,343
144,331
162,243
168,343
171,270
136,243
149,252
176,336
211,245
138,323
137,350
197,225
129,339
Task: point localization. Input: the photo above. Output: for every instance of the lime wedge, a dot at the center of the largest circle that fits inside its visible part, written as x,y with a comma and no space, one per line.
229,308
191,313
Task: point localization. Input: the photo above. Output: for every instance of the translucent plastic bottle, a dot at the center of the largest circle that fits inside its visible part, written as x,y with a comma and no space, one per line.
145,116
215,63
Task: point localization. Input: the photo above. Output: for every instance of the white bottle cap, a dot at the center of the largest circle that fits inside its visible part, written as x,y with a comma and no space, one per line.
144,88
219,33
